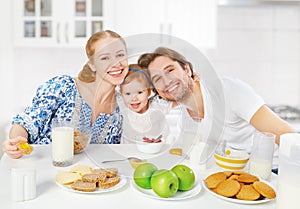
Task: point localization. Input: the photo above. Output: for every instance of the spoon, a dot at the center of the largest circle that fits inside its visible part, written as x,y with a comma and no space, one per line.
158,138
129,158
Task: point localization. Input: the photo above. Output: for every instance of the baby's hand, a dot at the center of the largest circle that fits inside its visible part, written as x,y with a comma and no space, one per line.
11,148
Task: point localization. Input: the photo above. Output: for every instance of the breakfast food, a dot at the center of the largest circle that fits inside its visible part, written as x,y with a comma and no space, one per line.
264,189
228,188
25,147
233,177
247,192
215,179
80,141
240,185
66,178
136,162
247,178
109,182
176,151
152,140
109,172
93,177
84,186
228,173
87,179
81,169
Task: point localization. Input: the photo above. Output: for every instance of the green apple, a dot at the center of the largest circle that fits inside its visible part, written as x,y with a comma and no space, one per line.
164,183
185,175
142,175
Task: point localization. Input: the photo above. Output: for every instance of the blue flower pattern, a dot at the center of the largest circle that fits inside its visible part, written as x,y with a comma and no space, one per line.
56,99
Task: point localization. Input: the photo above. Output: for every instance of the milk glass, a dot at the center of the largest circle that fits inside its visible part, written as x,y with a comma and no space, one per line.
261,157
62,143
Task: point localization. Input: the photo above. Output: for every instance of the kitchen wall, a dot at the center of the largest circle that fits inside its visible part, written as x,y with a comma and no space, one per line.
261,45
6,68
36,65
258,44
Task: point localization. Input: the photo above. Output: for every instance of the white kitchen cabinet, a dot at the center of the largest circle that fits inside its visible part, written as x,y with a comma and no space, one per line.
191,20
56,23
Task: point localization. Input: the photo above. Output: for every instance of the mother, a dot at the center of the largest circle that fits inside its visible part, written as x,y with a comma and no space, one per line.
94,88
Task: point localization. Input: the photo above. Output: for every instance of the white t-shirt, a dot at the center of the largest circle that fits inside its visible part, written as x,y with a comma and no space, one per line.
232,114
150,123
241,104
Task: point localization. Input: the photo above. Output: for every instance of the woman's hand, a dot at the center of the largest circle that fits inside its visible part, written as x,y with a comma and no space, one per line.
10,147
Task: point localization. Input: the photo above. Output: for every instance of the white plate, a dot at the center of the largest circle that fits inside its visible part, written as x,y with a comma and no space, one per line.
98,190
177,196
234,200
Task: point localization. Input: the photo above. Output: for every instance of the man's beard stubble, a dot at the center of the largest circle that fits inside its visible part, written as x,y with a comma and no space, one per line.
186,91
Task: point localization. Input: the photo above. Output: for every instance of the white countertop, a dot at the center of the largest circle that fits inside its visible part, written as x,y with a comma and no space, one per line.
50,195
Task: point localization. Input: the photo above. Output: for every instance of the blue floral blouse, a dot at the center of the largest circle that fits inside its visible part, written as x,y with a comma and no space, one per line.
56,99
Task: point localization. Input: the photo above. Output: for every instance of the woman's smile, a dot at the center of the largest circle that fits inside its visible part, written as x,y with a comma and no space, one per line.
115,72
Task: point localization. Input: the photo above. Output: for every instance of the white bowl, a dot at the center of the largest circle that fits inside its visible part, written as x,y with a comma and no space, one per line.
150,148
236,160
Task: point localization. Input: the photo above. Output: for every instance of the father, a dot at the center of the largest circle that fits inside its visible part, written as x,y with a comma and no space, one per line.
245,111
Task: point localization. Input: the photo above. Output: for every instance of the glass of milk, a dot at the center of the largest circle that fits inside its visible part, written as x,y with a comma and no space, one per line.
62,143
261,157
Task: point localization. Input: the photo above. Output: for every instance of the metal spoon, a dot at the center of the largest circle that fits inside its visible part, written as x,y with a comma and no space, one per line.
129,158
158,138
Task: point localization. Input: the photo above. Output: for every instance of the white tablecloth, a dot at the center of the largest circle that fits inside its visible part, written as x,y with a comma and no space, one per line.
50,195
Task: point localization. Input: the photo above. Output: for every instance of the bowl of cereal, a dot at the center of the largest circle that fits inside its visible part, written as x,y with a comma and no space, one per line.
150,144
81,140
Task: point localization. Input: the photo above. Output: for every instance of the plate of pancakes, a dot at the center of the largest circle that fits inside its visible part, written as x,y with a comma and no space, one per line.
239,187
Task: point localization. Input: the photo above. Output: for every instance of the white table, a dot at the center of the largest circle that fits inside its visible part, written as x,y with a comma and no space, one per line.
51,196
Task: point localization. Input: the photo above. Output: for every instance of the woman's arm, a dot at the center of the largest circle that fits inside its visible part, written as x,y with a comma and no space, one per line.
18,130
265,120
17,134
47,104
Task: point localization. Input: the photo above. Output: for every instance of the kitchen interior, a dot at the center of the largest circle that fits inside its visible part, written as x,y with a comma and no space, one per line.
257,41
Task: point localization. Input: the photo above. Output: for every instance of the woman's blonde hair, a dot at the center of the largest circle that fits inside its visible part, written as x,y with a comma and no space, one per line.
87,74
